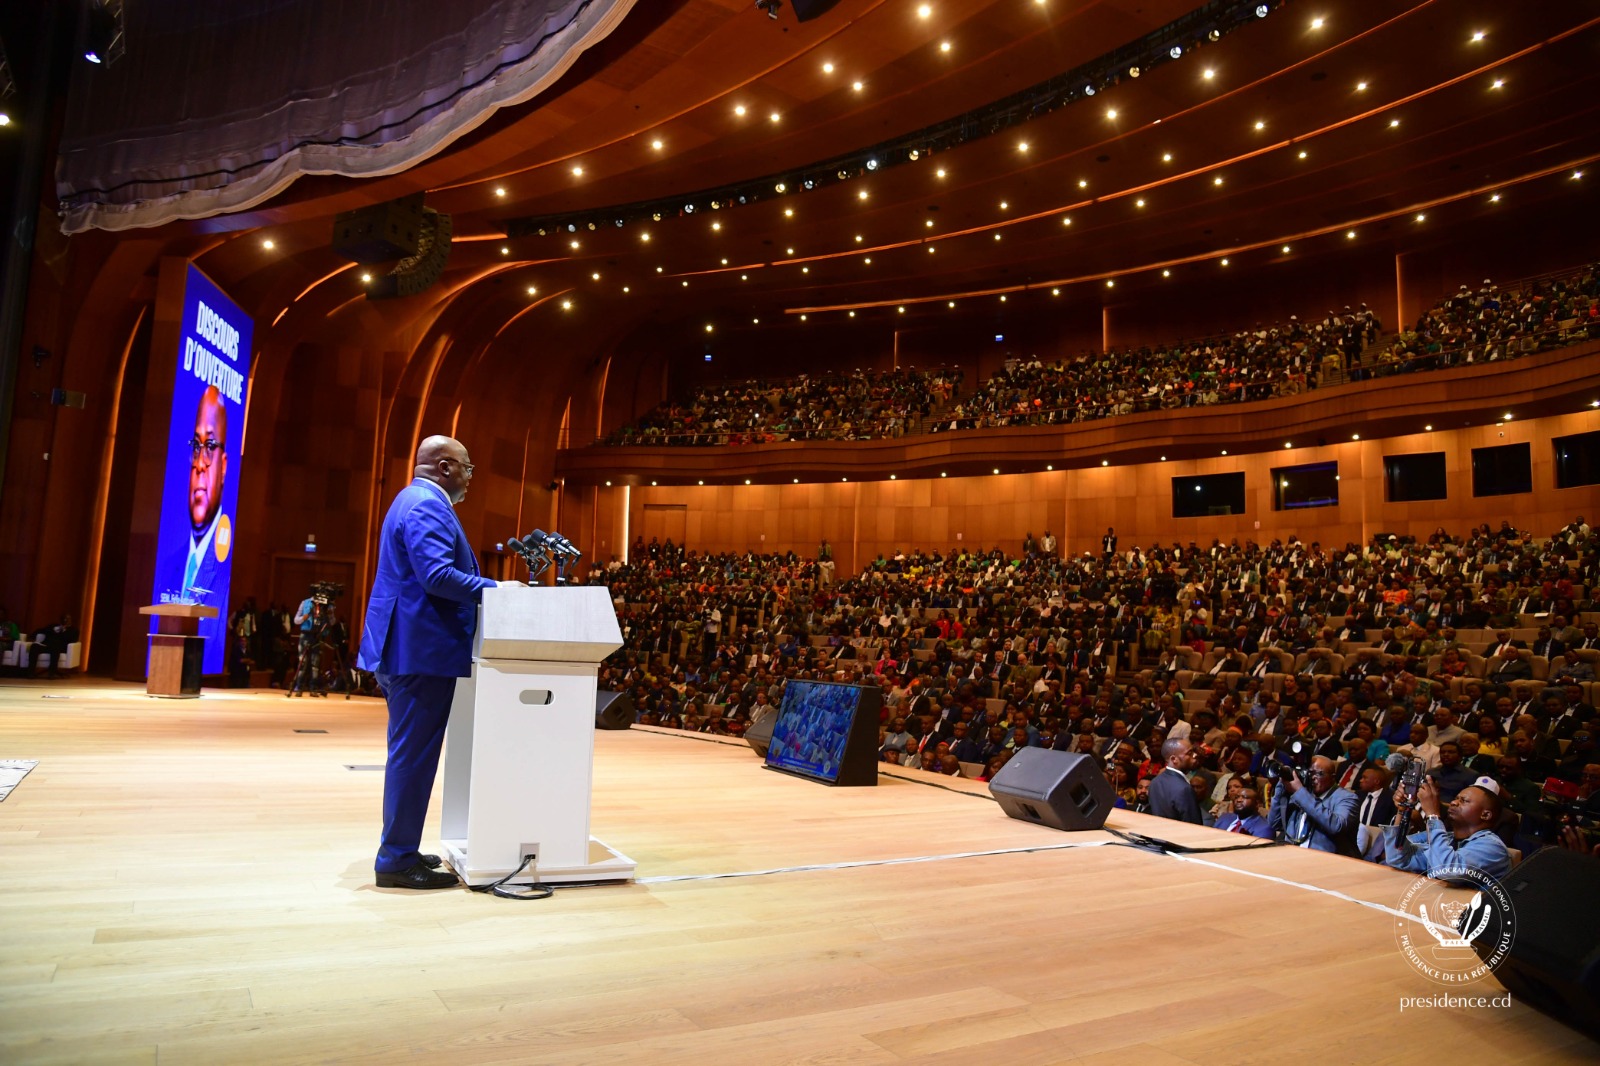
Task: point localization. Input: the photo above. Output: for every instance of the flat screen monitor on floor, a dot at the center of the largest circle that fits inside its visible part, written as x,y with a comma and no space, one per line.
827,732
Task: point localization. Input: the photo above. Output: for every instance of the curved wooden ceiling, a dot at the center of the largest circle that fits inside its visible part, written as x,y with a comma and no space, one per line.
1462,101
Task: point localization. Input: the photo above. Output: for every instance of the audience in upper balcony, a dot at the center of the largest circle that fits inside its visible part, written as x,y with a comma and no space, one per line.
862,405
980,652
1472,326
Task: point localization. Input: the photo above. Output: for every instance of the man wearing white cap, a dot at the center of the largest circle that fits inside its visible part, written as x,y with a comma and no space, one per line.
1463,837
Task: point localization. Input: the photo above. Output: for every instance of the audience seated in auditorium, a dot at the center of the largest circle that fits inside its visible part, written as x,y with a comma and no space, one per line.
981,651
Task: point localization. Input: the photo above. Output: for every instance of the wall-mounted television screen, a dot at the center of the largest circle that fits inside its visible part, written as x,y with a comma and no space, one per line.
827,732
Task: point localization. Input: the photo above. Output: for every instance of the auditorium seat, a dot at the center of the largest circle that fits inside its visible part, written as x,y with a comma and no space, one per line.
17,656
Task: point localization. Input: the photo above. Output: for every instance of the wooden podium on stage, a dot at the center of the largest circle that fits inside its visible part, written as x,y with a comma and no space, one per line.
519,750
177,649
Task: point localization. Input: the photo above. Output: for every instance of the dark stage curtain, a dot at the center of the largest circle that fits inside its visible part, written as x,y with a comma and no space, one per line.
218,106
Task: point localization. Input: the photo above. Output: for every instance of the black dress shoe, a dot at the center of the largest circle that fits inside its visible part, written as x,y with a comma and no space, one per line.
419,876
432,862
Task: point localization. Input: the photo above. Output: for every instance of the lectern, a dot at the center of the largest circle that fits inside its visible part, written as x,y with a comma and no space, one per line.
519,750
177,649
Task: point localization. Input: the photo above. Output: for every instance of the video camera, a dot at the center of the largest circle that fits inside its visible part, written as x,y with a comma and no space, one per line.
1408,772
1560,807
324,593
1293,765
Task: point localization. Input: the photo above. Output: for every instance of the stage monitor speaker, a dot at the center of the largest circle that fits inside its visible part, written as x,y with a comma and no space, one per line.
1054,788
1554,961
612,710
759,735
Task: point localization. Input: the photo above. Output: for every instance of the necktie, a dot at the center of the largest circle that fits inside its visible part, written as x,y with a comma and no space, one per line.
1367,806
1237,826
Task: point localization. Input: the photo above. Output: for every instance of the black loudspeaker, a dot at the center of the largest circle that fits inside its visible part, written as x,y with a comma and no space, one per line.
1054,788
419,271
612,710
378,233
759,735
806,10
1554,961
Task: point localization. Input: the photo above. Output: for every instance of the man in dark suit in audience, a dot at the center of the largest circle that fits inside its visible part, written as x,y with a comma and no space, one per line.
1171,795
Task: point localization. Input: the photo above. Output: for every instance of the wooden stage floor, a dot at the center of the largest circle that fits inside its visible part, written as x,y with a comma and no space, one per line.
190,882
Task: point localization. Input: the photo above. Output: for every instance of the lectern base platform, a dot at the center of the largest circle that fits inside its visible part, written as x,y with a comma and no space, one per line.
605,864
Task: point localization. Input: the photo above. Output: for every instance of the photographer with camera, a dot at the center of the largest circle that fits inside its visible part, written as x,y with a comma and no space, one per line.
1462,836
1308,808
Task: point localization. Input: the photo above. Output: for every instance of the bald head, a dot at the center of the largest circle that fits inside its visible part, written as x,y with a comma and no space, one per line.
444,461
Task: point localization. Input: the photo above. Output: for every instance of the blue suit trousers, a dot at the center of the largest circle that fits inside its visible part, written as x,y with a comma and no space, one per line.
419,708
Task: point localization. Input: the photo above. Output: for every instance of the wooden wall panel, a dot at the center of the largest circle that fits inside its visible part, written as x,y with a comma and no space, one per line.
864,519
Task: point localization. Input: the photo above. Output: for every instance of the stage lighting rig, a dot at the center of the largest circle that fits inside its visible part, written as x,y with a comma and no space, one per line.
102,32
771,7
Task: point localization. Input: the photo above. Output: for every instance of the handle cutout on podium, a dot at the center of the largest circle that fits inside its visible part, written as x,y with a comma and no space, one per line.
535,697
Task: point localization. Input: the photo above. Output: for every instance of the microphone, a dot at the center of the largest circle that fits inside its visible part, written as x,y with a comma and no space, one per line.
567,545
1396,763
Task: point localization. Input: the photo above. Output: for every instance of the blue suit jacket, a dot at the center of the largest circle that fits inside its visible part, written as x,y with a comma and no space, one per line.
422,612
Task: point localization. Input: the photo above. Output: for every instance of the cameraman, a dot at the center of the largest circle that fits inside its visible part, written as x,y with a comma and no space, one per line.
1315,813
308,618
1463,836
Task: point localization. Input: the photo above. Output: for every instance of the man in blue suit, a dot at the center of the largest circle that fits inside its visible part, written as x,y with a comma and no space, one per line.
421,617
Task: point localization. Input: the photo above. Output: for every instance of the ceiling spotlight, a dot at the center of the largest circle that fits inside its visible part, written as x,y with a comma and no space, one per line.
1111,112
901,309
928,223
1066,220
566,305
1316,23
366,279
267,244
5,119
506,250
997,236
1166,273
1260,126
1428,428
716,227
1393,123
1302,153
1105,462
1286,249
595,276
891,477
1350,234
708,327
1004,205
859,238
1420,216
827,68
645,237
1288,444
952,303
1224,260
924,11
738,109
577,172
1499,83
1478,36
1166,157
1262,11
1083,183
775,117
1133,72
788,212
1576,174
1495,198
1088,90
1110,284
1175,51
1361,86
1055,292
862,195
1217,180
939,173
532,291
1138,203
852,314
788,251
657,145
872,164
1208,73
997,470
802,318
857,86
944,46
499,191
1022,146
1355,436
913,155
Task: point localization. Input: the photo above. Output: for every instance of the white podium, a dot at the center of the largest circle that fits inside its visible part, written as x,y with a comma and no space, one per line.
519,750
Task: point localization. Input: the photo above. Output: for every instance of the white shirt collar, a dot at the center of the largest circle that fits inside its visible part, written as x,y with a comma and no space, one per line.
435,487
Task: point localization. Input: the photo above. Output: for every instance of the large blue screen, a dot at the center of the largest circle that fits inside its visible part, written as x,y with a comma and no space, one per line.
812,727
199,495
